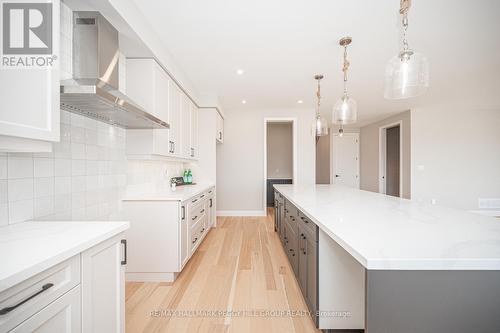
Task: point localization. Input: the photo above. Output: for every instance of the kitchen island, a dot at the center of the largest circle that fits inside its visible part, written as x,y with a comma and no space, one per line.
399,266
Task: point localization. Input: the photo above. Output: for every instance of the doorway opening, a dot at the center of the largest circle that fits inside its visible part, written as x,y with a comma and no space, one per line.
345,159
391,160
279,155
323,159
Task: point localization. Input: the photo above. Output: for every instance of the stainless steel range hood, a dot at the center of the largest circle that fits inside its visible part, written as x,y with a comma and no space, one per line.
93,91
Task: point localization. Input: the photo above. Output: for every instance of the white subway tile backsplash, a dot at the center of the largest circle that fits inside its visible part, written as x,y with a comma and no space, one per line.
77,134
62,203
4,215
91,137
62,185
20,211
43,167
78,184
78,214
19,167
62,167
77,120
78,167
3,167
3,191
92,167
20,189
78,200
92,153
43,187
65,117
43,206
65,133
78,151
62,149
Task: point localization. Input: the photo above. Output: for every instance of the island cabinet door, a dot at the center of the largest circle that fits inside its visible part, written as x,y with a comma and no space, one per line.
183,235
302,277
103,287
311,252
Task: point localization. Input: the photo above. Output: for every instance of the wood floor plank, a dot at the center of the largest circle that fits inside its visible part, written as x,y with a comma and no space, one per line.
240,266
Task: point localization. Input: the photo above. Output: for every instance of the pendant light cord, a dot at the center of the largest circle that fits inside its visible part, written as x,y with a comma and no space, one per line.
403,10
318,94
345,68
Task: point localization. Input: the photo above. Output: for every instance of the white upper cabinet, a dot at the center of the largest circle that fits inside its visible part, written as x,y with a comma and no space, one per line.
175,95
186,111
148,86
29,97
194,130
220,128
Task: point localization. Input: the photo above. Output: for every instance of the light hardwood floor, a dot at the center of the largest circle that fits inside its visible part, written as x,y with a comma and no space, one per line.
240,266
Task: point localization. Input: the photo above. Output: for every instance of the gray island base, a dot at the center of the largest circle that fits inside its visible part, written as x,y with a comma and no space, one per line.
370,263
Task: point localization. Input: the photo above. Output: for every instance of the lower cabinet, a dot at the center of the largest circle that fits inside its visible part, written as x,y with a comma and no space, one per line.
164,234
61,316
103,287
85,293
299,237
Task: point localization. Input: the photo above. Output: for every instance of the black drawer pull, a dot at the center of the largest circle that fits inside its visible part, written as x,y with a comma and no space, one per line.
291,250
195,239
124,242
8,309
194,218
202,230
193,201
201,211
201,196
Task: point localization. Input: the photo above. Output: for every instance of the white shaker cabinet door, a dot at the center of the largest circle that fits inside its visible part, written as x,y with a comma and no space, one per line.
61,316
29,95
103,287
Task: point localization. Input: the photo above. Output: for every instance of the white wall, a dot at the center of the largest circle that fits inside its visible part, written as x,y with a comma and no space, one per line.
240,160
455,155
279,150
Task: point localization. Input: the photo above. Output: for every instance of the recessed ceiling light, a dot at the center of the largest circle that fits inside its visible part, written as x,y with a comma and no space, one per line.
300,101
240,72
243,102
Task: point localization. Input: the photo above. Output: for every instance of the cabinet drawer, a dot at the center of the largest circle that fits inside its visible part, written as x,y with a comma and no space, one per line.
195,236
309,226
196,213
61,316
30,296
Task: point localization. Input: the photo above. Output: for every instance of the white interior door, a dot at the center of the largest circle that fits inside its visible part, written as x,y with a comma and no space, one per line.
346,159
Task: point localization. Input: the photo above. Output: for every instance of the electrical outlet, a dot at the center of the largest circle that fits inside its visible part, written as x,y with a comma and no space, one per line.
488,203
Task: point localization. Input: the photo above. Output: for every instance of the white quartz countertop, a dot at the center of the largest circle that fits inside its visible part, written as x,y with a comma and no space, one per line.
181,193
388,233
29,248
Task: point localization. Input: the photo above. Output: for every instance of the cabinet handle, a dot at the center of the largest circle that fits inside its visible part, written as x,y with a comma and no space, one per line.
201,211
183,212
195,239
194,218
193,201
201,196
8,309
173,147
202,230
124,242
210,202
220,135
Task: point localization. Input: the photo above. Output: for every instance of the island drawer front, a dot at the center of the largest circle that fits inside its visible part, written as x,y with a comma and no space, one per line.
309,225
30,296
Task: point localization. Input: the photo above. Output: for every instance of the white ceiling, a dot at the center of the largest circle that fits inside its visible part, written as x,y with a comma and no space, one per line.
281,44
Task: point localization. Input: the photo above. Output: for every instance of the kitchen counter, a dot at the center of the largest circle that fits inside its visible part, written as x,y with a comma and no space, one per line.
181,193
29,248
388,233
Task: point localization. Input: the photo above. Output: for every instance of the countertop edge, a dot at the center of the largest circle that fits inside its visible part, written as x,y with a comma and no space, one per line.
148,196
20,276
401,264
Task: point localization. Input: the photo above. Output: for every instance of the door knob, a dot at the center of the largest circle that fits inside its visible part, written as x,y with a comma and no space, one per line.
337,176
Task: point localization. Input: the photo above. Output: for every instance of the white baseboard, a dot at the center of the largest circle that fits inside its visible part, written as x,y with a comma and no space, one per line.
150,277
241,213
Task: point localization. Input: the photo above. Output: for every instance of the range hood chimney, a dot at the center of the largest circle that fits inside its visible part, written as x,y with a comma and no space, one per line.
93,91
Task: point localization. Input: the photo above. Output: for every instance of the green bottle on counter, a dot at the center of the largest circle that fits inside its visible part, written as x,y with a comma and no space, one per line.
185,176
189,177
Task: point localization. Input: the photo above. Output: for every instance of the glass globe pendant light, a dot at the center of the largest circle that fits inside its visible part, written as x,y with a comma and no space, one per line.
345,110
406,74
320,123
